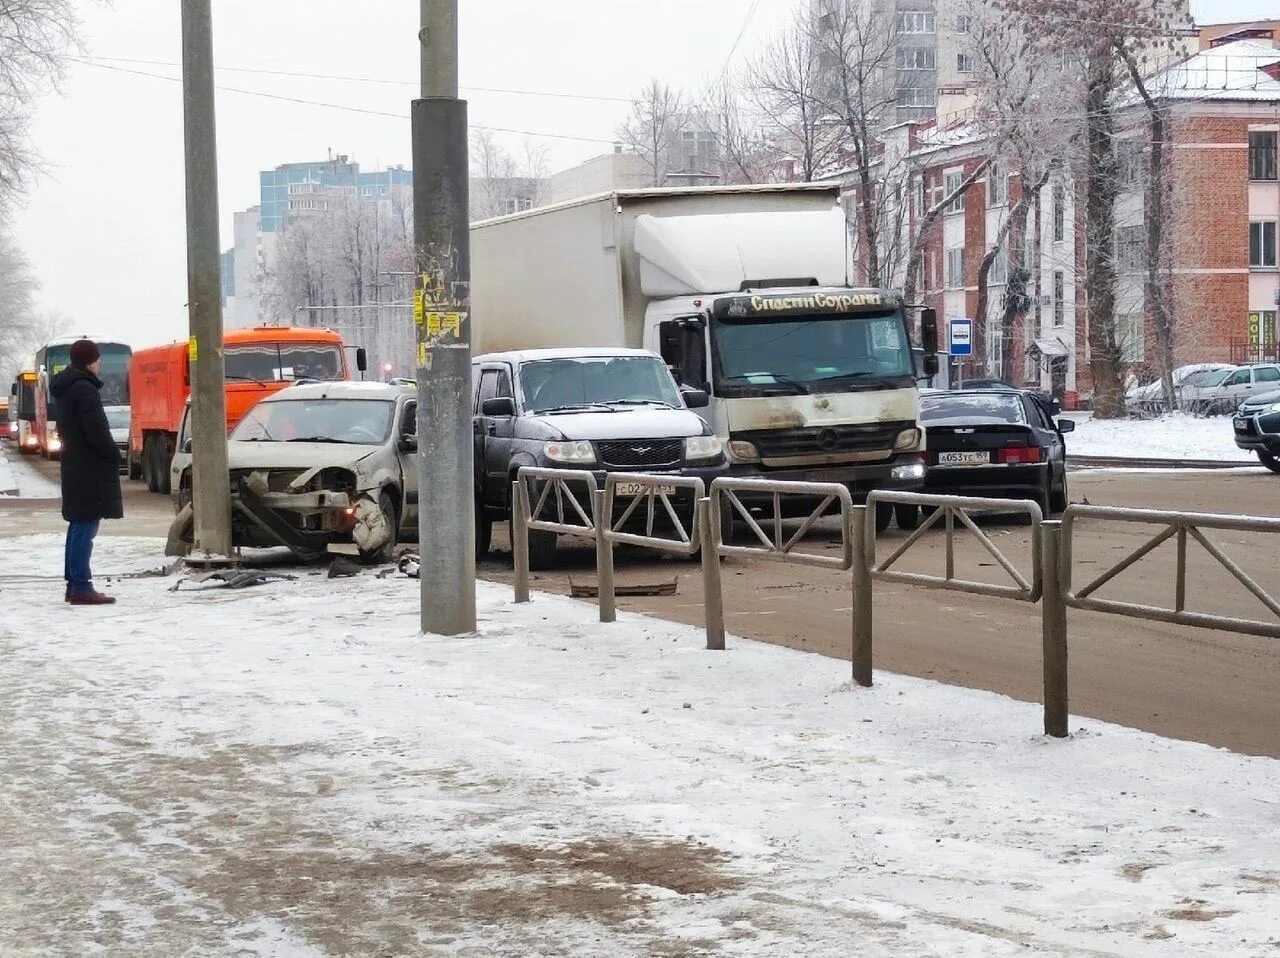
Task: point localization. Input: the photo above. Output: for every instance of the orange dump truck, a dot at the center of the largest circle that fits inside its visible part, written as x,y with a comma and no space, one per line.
258,362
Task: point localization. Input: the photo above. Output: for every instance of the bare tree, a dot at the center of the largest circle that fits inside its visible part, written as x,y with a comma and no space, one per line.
507,183
654,127
35,35
746,151
790,88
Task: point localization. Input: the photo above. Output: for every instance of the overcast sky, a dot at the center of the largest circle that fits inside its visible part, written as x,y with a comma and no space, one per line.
105,226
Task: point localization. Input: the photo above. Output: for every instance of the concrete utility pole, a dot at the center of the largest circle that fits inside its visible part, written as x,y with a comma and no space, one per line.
446,497
211,489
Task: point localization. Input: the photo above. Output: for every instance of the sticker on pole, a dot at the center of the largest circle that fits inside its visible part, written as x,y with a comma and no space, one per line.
961,337
193,350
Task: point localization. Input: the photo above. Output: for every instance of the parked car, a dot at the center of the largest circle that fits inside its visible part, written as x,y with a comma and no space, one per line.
318,467
1195,392
118,420
1149,397
1257,428
994,443
1241,384
602,410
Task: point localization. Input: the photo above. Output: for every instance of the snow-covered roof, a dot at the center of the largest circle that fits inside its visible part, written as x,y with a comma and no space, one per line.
1233,71
518,356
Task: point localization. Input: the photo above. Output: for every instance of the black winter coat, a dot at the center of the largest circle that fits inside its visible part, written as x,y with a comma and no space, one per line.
90,459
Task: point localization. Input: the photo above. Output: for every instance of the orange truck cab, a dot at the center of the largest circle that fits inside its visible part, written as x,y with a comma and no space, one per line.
258,362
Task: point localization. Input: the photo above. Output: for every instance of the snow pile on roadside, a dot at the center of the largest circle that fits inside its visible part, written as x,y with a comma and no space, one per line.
19,478
292,770
1174,436
8,481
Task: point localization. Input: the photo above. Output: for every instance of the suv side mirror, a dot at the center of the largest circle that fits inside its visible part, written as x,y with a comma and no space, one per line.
929,331
408,443
188,446
502,406
696,398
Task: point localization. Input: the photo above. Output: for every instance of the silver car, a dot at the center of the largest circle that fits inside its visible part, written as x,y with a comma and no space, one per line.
1243,383
319,468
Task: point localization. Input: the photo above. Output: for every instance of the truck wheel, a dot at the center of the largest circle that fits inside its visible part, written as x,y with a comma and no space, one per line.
164,458
385,552
135,467
542,550
907,516
1268,460
149,464
884,516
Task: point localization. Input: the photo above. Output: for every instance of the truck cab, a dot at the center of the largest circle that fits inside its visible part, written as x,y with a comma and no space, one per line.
598,410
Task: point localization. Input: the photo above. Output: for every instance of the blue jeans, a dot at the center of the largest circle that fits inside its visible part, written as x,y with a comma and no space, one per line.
79,551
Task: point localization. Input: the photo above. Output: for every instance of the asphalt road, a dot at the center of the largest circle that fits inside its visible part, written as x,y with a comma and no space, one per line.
1218,688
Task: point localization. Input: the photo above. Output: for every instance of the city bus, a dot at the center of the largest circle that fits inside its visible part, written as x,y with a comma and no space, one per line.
22,411
52,359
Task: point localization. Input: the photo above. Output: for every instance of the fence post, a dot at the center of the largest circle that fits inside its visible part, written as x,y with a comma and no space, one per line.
520,539
604,559
1054,611
713,598
862,592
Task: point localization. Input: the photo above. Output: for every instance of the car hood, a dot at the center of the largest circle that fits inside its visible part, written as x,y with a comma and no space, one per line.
294,455
630,422
1262,401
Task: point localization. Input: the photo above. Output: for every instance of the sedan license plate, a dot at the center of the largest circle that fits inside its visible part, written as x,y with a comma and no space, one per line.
639,488
964,458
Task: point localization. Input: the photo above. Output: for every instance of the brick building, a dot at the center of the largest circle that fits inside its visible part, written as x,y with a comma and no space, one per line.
1223,218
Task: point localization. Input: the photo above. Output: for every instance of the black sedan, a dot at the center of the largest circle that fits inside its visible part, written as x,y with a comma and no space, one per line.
995,444
1257,428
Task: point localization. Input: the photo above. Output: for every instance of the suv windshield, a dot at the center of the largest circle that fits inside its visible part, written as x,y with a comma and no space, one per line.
357,421
277,362
818,352
981,409
597,380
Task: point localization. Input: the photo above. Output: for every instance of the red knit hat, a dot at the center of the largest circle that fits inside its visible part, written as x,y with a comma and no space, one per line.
84,353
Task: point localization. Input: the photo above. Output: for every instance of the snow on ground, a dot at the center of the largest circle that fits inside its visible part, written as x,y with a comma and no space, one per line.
19,477
1174,436
292,770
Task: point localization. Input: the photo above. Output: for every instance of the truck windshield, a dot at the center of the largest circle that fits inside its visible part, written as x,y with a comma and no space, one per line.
277,362
365,422
596,381
812,353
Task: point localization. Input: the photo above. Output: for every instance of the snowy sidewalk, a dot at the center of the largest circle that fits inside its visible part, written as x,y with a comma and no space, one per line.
1174,436
291,770
19,477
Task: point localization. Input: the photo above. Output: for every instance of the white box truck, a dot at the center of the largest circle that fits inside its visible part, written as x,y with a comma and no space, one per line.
744,293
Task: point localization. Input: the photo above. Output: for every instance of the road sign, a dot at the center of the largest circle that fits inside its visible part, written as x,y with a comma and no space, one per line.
961,337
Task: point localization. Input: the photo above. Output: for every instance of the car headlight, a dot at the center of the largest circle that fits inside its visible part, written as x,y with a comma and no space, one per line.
1274,407
744,451
702,448
576,451
907,439
908,472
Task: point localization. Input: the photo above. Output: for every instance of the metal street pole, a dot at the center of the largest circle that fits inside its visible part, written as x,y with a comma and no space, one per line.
446,498
211,490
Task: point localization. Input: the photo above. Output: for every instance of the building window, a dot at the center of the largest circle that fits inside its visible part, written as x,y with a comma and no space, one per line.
914,96
997,186
1262,244
915,21
1130,330
1059,298
1128,163
995,346
1262,155
998,274
955,268
916,59
963,23
964,63
1130,249
1059,213
950,183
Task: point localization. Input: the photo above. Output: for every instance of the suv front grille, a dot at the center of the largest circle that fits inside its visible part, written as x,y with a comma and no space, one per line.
641,453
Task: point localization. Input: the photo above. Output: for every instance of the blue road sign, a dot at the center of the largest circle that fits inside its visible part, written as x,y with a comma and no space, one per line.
961,337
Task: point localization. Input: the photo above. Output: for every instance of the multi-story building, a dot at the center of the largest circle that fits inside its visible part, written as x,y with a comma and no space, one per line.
313,187
1221,269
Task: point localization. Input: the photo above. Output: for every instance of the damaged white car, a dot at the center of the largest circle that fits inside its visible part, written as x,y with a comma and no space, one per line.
322,468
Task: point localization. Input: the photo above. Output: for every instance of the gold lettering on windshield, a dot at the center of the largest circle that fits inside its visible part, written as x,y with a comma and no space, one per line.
833,302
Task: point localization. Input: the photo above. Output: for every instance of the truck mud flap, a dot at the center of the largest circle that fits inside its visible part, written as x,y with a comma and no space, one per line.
307,545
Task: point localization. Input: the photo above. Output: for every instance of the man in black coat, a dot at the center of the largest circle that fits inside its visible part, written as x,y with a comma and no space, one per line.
90,467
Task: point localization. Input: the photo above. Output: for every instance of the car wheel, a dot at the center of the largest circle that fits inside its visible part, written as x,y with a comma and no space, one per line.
385,552
884,516
1060,499
907,516
542,550
484,531
1268,460
1044,497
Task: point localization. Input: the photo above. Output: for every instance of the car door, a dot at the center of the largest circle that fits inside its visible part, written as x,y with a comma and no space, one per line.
408,455
499,432
1234,389
1048,436
1265,379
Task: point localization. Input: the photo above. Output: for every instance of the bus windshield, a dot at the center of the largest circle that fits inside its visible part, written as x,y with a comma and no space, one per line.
280,362
114,372
811,353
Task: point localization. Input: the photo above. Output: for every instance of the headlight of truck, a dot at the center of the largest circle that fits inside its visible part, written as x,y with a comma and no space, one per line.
578,452
907,439
909,472
744,451
703,448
